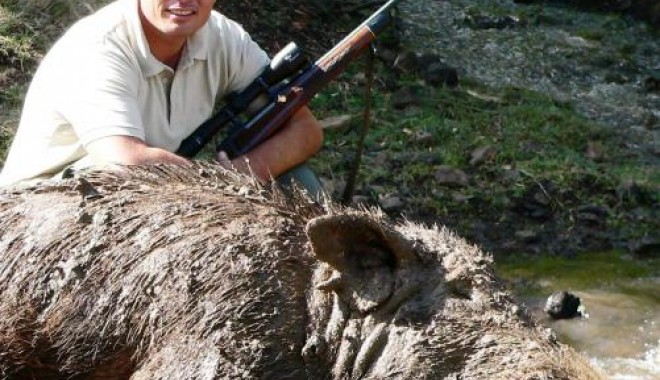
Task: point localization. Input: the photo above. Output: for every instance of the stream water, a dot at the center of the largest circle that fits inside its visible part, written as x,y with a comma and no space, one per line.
620,331
620,327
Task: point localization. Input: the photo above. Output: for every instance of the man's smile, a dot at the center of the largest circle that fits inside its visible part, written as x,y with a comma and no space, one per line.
182,12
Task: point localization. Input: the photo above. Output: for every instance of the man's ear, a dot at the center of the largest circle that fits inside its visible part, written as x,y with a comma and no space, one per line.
365,252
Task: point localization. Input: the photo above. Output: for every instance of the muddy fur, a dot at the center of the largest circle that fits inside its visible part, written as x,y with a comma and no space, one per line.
166,272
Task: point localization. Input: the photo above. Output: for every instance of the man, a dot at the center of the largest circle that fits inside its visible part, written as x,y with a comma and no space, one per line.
127,84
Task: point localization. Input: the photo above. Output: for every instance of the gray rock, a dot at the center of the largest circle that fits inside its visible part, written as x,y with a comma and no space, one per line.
390,202
446,175
339,122
406,97
440,74
647,247
482,154
527,236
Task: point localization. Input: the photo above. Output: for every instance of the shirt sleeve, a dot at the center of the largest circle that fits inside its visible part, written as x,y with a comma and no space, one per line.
103,100
246,59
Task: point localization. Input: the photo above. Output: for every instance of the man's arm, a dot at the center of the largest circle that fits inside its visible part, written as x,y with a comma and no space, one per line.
299,140
127,150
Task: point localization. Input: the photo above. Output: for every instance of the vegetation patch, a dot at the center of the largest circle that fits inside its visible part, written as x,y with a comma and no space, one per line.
545,182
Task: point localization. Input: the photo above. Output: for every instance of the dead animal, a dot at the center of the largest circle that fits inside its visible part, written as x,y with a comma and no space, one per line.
172,273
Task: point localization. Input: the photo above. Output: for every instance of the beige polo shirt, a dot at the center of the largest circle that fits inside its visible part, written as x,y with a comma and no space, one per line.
100,79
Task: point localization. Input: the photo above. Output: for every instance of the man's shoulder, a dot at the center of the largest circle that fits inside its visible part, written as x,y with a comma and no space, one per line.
100,25
225,25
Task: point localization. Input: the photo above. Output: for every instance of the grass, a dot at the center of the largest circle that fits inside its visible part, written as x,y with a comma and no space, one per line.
531,131
540,143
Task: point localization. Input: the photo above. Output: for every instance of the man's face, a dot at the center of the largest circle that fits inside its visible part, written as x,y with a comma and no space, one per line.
176,18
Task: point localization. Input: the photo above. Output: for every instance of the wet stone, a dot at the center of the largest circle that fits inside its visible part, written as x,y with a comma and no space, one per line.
562,305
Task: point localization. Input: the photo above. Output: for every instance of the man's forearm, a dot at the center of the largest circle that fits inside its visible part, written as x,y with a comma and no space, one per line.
299,140
125,150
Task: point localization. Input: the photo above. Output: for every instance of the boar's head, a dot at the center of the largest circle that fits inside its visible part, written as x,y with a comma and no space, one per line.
405,301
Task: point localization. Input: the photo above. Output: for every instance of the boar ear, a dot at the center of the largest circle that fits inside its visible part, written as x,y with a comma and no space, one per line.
335,238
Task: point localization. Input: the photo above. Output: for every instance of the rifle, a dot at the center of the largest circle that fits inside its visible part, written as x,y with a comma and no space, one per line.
288,88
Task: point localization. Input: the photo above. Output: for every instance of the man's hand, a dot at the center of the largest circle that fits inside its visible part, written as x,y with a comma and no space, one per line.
126,150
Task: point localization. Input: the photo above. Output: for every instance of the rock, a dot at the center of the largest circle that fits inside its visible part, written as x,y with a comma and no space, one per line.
492,22
446,175
379,160
359,78
652,121
562,305
405,97
340,122
536,203
426,157
593,214
438,74
360,200
652,82
421,138
430,68
435,72
632,191
390,202
647,247
461,198
406,62
527,236
387,55
482,154
509,175
332,185
594,150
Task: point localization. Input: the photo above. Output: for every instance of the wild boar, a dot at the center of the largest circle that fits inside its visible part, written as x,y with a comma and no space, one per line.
170,272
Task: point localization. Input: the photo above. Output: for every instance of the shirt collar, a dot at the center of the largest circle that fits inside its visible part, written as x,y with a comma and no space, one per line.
196,46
